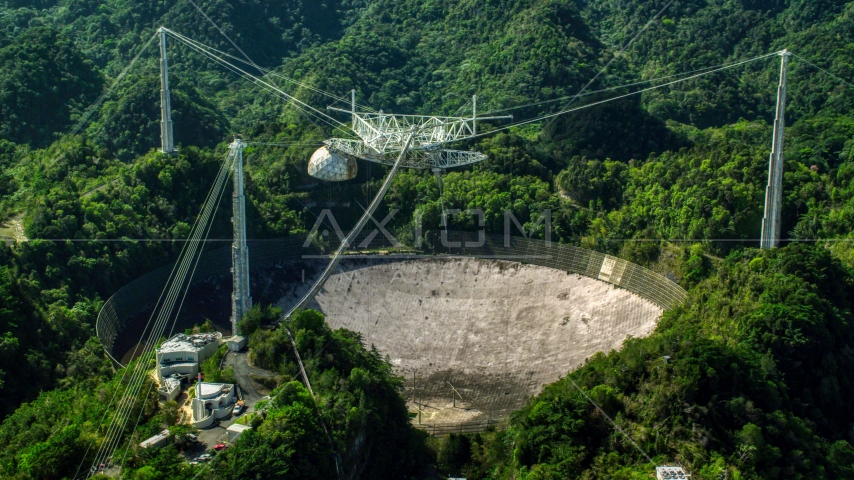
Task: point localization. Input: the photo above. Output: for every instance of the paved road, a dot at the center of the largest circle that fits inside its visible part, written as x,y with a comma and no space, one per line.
252,391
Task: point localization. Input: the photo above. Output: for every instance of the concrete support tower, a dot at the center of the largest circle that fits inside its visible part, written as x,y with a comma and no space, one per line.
474,115
241,301
167,144
774,191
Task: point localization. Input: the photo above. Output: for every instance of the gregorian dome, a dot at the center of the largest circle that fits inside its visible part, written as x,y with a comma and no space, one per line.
332,166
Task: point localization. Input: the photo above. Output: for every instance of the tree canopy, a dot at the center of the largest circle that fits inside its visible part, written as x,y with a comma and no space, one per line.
748,379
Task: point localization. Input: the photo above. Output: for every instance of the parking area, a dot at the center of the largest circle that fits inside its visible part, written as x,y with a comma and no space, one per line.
205,448
250,392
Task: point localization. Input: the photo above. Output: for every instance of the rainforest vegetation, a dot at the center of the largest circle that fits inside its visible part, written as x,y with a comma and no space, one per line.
750,378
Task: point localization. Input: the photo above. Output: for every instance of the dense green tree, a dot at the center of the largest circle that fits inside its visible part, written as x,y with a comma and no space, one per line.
586,181
684,164
719,385
132,124
46,81
355,421
62,429
258,316
620,130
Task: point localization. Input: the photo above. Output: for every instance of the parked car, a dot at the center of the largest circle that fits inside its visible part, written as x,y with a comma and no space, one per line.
219,447
238,409
204,457
192,437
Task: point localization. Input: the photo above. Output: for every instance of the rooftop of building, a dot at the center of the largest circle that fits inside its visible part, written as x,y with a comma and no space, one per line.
671,473
171,383
236,427
155,439
211,390
182,342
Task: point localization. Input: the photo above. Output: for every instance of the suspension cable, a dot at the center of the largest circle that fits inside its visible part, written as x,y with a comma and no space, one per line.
256,79
823,70
224,34
138,380
619,97
163,293
177,282
165,314
177,313
267,71
619,87
89,111
322,117
619,52
248,76
251,62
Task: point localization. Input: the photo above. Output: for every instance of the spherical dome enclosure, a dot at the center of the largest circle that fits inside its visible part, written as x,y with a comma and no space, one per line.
332,166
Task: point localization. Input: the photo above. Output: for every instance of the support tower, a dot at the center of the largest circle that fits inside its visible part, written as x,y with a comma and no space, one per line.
241,301
774,190
167,144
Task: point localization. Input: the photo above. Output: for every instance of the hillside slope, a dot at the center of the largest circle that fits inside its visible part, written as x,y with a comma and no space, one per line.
721,387
673,179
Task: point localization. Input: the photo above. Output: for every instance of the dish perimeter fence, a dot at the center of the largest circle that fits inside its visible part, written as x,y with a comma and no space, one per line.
142,293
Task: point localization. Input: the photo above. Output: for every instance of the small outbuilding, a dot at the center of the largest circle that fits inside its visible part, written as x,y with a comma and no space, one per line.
158,441
671,473
236,343
235,430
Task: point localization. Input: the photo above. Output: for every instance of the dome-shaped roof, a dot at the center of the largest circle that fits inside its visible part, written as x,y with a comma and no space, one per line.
332,166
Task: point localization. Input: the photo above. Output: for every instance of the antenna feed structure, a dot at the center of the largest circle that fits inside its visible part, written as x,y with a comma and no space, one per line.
383,136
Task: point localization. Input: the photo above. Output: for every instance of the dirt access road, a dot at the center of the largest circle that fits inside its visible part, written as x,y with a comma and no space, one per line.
14,228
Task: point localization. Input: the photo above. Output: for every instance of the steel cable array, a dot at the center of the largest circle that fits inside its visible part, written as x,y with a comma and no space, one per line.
620,97
166,303
249,61
620,87
267,71
89,111
203,49
617,55
140,368
183,298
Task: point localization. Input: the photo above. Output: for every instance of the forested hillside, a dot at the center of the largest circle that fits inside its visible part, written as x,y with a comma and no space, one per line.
720,385
756,381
